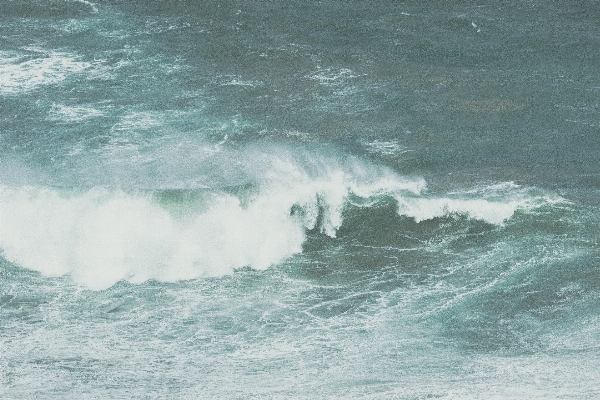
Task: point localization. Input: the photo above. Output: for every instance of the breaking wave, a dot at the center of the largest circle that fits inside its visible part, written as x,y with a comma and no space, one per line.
101,235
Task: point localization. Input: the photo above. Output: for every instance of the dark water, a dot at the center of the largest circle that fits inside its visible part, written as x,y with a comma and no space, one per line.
334,199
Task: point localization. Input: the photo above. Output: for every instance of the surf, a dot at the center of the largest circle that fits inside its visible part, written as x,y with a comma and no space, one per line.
100,235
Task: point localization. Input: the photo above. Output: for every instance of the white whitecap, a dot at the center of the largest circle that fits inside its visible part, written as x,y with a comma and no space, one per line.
24,72
386,147
69,114
332,76
100,236
93,6
494,203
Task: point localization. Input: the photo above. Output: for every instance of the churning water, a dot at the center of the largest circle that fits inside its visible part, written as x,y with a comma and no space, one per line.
300,199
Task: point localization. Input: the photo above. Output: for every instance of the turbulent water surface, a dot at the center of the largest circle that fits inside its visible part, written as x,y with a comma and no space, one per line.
300,199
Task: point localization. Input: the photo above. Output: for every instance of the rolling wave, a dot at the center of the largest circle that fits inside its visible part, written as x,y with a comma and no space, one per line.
101,235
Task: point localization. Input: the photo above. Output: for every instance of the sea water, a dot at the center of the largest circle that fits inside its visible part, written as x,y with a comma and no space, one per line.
300,199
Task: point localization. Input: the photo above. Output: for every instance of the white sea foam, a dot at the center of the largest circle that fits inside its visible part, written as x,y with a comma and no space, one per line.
386,147
137,121
103,236
23,72
493,203
70,114
236,81
90,4
332,77
100,235
494,212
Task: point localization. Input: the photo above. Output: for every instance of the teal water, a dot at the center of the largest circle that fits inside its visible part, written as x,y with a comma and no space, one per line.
299,200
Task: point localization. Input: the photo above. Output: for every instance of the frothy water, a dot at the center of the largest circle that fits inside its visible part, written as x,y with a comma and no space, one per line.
27,71
101,236
303,200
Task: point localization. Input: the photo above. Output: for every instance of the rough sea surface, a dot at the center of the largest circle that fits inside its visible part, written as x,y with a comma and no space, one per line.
299,199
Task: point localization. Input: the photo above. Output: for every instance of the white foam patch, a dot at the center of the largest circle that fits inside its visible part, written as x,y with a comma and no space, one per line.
69,114
332,76
236,81
495,203
494,212
386,147
138,121
100,237
24,72
93,6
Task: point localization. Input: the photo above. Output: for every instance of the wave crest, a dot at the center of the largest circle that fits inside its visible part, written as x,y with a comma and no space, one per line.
100,236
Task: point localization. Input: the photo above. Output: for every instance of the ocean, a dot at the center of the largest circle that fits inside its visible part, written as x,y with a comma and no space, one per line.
332,199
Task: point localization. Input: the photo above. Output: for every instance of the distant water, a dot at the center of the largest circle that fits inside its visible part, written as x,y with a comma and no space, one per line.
299,199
